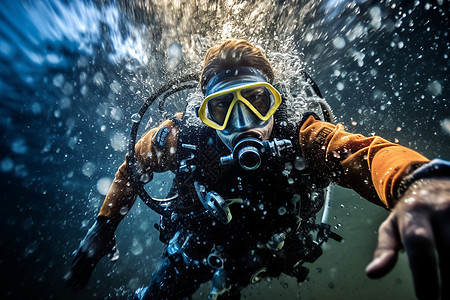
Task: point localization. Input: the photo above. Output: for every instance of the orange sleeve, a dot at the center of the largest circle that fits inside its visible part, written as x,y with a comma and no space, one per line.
372,166
151,157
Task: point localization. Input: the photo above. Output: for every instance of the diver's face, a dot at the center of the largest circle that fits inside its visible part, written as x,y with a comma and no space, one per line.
244,123
240,103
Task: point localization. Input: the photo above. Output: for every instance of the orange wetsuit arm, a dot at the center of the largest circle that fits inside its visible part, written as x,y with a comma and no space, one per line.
372,166
152,157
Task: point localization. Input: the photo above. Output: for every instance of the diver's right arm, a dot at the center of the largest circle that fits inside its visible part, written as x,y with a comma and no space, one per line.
155,152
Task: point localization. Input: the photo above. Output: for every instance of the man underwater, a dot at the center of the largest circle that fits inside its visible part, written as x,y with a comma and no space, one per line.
248,214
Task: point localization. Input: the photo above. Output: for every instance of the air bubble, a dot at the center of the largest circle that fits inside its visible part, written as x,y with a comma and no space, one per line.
282,211
116,87
300,163
58,80
123,210
339,42
288,166
435,88
88,169
145,178
445,125
136,118
118,141
136,247
103,185
6,164
98,79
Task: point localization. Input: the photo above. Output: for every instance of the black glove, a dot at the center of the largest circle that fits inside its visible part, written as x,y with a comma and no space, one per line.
99,241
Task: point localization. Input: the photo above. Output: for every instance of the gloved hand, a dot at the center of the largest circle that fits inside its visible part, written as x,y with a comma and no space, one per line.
98,242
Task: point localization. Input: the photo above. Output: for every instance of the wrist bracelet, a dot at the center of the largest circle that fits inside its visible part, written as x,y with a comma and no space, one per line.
435,168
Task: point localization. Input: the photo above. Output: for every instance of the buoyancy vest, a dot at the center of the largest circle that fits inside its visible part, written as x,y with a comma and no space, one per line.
283,195
273,208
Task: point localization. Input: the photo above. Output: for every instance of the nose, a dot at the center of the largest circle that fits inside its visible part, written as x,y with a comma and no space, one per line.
241,116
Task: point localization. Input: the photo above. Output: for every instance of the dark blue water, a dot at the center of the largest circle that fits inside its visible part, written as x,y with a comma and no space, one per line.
73,72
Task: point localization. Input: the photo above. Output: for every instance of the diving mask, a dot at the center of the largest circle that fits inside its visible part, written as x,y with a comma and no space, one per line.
242,93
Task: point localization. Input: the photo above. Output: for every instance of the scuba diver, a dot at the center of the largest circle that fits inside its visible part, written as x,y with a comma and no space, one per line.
250,179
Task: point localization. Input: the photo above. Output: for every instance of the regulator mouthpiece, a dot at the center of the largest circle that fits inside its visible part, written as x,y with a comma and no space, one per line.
250,152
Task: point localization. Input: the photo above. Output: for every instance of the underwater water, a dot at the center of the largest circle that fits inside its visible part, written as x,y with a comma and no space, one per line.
72,73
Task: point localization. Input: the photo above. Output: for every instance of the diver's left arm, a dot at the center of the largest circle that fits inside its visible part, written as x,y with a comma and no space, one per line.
416,191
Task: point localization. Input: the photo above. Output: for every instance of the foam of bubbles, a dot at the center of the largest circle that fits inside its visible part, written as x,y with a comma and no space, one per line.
193,101
81,23
103,185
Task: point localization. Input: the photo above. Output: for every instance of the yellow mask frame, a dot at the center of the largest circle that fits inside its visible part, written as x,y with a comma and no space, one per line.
237,97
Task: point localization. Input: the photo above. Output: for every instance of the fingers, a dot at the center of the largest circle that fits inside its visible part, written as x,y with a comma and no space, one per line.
444,266
98,242
82,277
386,253
77,256
442,233
80,263
80,272
419,244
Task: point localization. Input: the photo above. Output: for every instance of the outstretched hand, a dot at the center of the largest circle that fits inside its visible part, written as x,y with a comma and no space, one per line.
99,242
420,224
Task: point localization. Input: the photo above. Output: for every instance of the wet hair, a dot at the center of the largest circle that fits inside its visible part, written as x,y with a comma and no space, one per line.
233,54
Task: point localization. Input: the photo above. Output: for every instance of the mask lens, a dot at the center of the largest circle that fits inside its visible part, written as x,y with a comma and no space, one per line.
218,107
260,98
